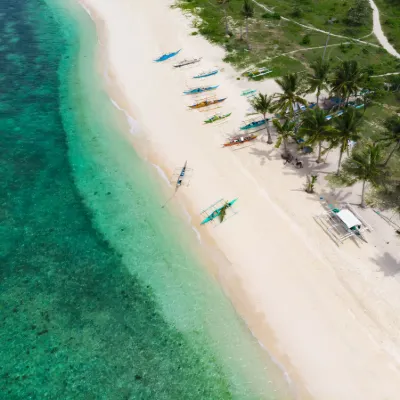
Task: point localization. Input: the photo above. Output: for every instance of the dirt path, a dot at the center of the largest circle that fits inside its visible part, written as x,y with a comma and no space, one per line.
377,29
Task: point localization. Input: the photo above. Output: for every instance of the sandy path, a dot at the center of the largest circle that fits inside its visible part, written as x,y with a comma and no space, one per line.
322,311
377,29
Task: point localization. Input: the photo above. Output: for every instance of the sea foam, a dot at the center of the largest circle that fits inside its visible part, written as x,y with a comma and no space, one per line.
134,126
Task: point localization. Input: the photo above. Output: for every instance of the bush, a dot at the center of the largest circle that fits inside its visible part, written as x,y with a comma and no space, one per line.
359,14
306,39
297,12
268,15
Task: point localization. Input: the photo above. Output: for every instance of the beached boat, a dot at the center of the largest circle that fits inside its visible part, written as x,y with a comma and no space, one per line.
240,140
259,72
206,74
218,211
216,117
201,89
185,62
181,176
167,56
206,103
253,124
249,92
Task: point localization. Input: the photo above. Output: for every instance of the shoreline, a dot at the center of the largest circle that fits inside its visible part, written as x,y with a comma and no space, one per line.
211,256
247,306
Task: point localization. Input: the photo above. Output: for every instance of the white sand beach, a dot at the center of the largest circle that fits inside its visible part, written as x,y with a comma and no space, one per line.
330,315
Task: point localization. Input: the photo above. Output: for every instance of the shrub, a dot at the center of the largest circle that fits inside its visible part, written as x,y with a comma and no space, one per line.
297,12
359,14
268,15
306,39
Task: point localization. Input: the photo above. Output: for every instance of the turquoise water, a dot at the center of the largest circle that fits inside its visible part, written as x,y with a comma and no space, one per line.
101,296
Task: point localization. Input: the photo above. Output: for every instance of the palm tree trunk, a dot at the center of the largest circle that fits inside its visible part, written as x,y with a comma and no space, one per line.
269,140
391,153
319,159
247,32
340,159
226,22
285,145
363,194
317,99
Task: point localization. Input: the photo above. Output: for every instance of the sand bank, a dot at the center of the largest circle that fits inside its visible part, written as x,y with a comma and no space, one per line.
328,315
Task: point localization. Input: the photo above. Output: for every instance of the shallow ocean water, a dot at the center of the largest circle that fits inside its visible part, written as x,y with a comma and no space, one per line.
100,296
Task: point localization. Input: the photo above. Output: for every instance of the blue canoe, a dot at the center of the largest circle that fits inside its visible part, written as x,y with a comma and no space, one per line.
205,74
253,124
216,213
200,89
167,56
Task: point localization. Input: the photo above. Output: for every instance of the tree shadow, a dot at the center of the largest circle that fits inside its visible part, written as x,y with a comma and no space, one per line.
265,154
387,264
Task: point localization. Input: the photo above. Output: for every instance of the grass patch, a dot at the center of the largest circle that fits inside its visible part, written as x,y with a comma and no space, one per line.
280,44
390,20
318,12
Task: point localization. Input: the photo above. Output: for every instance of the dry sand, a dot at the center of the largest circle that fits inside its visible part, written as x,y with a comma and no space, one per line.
330,316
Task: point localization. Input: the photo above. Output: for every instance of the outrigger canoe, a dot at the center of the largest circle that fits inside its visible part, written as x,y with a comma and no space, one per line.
217,212
206,74
167,56
206,103
249,92
240,140
181,176
185,62
216,117
259,72
201,89
253,124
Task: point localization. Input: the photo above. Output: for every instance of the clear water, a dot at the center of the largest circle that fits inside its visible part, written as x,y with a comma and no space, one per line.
100,294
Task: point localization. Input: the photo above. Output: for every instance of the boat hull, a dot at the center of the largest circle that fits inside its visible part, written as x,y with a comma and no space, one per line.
252,125
245,140
206,75
217,212
206,104
210,120
187,62
167,56
201,90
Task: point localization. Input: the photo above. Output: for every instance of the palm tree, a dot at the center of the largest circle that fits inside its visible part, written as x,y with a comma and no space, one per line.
347,127
316,128
222,213
224,4
348,79
391,136
365,166
286,101
318,79
247,12
263,105
284,131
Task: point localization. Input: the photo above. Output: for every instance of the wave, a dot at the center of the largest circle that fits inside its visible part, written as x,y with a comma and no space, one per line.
87,10
134,126
162,174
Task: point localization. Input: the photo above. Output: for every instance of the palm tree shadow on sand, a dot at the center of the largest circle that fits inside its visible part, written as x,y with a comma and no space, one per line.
387,264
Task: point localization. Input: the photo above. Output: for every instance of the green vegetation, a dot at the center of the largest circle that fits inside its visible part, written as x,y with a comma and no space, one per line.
373,155
390,20
285,131
262,104
365,166
284,45
280,35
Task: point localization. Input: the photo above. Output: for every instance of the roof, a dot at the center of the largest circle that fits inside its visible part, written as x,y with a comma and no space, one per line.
348,218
